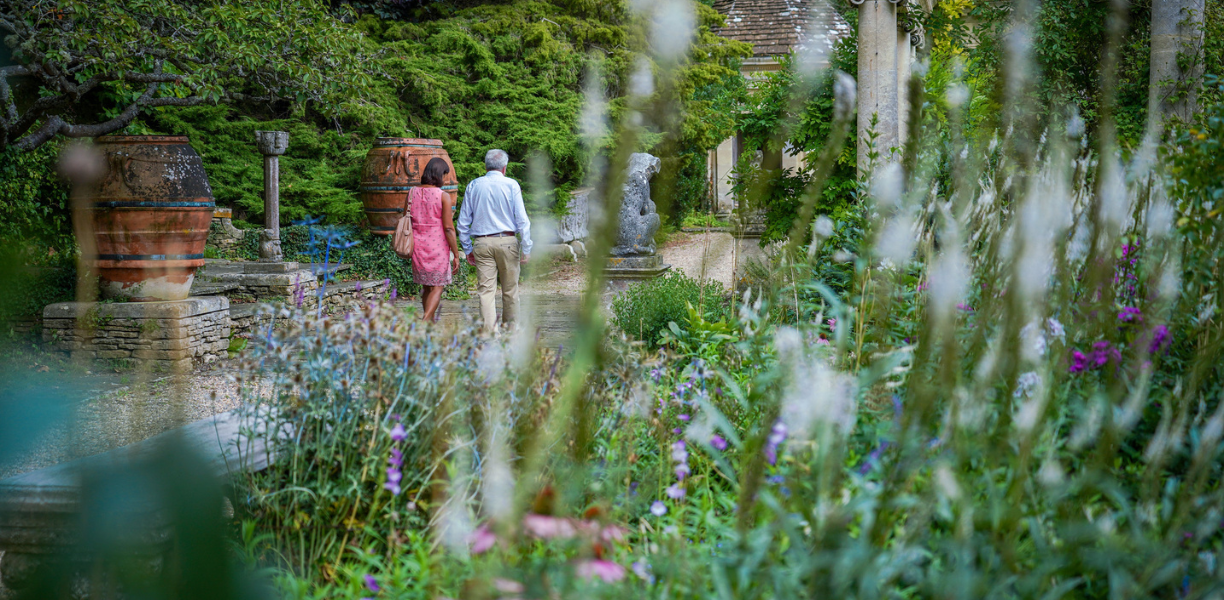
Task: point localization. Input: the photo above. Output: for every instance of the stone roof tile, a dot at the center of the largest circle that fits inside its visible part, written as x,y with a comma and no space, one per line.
776,27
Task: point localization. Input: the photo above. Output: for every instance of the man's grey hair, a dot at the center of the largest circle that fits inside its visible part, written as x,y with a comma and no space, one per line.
495,160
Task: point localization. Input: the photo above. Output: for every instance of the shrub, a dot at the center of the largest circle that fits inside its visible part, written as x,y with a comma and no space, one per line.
644,311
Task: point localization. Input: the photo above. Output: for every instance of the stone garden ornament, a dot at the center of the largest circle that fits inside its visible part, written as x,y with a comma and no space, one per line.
271,144
634,256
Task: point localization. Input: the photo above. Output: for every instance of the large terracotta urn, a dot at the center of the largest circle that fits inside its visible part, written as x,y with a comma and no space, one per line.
151,214
392,168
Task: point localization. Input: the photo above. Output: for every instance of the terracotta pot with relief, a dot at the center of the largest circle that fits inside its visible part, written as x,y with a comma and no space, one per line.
392,168
151,214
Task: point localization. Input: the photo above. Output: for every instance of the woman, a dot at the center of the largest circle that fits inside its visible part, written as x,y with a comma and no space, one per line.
435,250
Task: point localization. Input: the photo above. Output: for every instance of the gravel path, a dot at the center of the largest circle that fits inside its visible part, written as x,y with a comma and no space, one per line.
711,255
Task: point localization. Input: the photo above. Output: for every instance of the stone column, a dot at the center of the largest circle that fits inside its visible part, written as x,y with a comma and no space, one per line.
905,56
271,144
1177,27
877,76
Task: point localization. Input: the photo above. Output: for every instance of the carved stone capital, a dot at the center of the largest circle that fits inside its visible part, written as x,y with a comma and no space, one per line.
272,143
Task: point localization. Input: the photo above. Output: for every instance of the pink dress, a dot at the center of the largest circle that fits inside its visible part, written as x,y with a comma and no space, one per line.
431,255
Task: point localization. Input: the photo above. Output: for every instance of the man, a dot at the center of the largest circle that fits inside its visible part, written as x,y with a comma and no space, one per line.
491,214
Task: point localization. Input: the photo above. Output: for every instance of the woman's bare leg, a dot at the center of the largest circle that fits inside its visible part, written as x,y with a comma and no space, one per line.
432,297
425,301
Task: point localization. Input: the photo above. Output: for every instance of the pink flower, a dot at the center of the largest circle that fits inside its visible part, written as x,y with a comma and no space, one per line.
507,586
606,570
482,539
613,533
546,527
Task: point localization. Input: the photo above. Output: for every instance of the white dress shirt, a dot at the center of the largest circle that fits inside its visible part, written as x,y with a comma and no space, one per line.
493,204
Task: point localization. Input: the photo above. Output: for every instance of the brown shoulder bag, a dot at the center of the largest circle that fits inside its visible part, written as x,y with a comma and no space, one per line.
401,242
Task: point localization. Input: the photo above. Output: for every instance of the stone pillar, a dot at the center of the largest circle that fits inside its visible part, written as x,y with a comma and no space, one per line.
877,76
905,56
271,144
1177,27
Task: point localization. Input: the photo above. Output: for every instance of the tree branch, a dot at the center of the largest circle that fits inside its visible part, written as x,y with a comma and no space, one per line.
55,124
6,94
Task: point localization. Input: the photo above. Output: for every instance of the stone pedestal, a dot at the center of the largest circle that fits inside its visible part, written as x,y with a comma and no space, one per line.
164,334
636,267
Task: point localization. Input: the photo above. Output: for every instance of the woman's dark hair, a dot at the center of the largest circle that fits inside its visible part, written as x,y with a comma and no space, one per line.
434,172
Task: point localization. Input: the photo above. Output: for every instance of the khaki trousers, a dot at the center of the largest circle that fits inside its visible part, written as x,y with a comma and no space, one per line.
497,260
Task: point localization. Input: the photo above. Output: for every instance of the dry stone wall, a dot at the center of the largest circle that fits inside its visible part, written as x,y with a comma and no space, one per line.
167,334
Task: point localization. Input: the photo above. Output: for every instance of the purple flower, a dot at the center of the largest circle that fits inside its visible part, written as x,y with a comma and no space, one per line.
398,434
656,374
1079,362
677,431
1102,352
1160,336
1130,314
775,479
358,287
394,293
682,471
777,435
832,324
679,451
394,475
684,418
964,307
372,583
658,509
394,488
397,458
675,492
718,442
